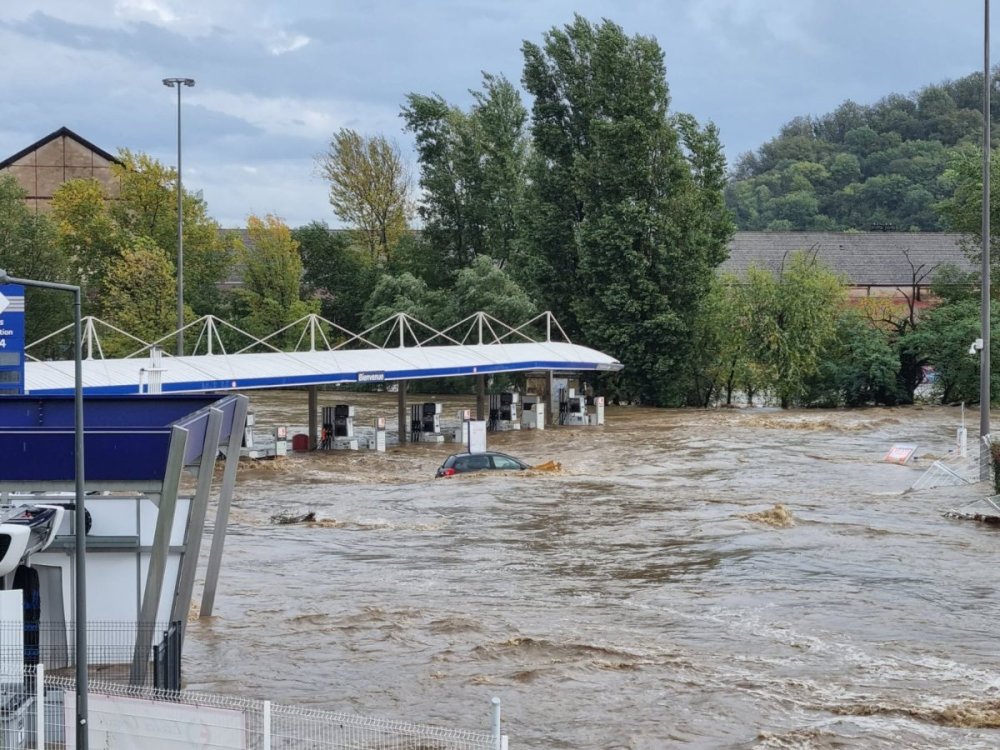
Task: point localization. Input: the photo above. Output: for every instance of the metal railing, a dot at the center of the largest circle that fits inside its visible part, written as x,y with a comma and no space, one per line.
38,712
167,659
955,470
110,650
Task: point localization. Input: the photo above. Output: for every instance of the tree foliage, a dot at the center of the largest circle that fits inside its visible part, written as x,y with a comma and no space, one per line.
861,166
369,188
943,341
721,362
89,237
147,207
339,274
793,321
140,296
270,296
486,287
860,367
472,171
95,232
29,248
624,218
403,294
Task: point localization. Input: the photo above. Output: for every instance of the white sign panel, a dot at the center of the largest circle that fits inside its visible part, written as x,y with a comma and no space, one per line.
900,454
137,724
475,436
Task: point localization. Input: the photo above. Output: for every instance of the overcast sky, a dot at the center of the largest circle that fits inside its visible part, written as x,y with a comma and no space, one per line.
276,79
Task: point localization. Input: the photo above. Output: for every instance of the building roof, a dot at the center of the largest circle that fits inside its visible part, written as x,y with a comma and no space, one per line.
865,258
63,131
224,372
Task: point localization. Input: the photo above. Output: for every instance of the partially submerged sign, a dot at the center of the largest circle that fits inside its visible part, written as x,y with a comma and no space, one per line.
11,339
475,435
900,453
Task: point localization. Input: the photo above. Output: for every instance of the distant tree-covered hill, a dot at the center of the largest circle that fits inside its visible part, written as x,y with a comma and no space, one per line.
861,165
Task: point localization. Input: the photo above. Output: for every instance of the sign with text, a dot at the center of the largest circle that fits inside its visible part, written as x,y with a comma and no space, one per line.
371,377
900,453
11,339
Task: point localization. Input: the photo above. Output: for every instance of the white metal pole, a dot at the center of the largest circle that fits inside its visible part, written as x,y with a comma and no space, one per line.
496,722
266,729
40,706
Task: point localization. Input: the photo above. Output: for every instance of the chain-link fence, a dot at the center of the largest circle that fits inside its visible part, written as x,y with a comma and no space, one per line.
38,712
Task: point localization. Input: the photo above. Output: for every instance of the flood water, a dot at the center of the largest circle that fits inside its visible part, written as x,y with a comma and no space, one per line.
648,595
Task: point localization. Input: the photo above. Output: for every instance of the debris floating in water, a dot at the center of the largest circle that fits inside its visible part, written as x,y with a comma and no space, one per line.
988,512
285,519
548,466
779,516
971,715
989,518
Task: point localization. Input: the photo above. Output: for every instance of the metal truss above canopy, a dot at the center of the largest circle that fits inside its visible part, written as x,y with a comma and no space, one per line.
410,350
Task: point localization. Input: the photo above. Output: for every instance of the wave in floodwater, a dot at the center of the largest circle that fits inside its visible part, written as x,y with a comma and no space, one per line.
708,579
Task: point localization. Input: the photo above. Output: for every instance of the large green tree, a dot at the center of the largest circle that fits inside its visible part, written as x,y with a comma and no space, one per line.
146,206
369,188
794,318
485,287
472,171
625,221
95,230
140,296
404,294
721,363
270,297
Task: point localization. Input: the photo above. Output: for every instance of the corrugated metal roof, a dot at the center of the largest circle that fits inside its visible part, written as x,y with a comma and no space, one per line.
220,372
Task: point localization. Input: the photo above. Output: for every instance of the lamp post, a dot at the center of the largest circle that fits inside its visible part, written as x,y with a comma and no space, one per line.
179,83
80,578
985,396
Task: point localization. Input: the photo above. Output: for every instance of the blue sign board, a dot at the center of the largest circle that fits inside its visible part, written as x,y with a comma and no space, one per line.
11,339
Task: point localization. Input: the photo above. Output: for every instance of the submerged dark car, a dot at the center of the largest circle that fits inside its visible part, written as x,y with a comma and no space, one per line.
463,463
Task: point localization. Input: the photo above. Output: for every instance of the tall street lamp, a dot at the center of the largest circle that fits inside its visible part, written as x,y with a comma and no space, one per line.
80,579
179,83
985,394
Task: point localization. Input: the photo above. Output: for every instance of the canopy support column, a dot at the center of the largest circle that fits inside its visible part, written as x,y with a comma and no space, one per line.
222,512
196,521
313,417
404,422
552,414
480,397
158,554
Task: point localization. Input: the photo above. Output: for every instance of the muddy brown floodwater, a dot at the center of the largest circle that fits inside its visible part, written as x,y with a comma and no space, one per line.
705,579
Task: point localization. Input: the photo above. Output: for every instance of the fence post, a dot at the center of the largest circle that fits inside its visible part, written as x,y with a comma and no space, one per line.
40,706
266,731
496,722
